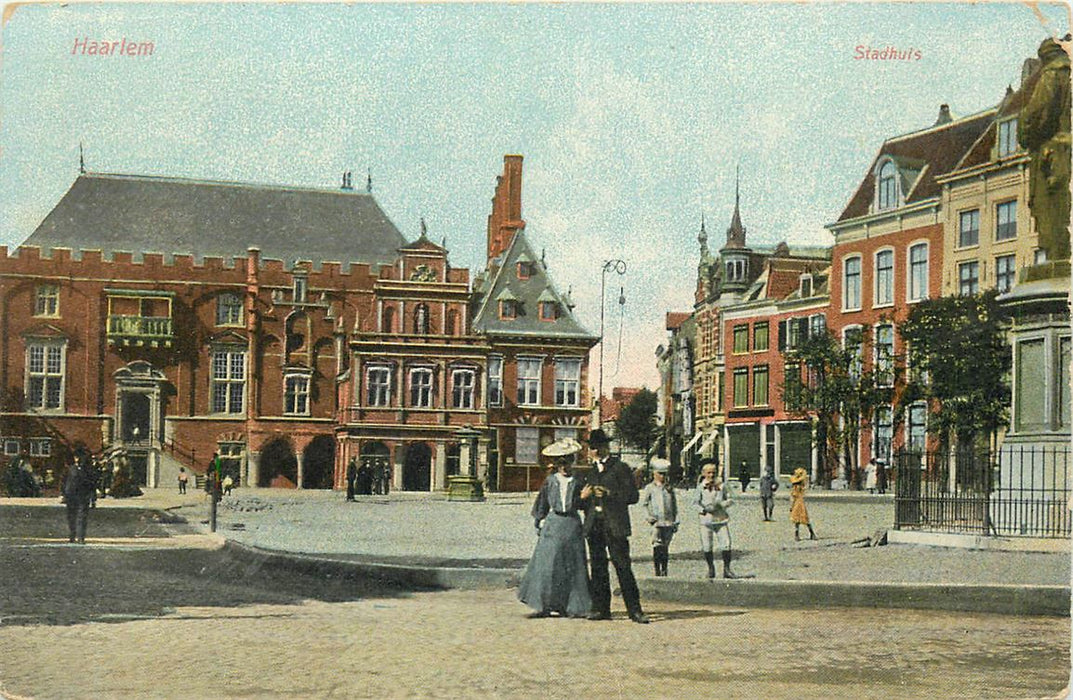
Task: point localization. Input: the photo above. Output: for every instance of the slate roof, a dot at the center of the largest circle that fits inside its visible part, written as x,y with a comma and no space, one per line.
143,214
505,284
921,156
1011,105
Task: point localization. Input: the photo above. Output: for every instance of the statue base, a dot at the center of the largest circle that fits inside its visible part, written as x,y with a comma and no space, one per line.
464,488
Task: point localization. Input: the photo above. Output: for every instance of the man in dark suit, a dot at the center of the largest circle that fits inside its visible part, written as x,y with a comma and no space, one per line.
78,488
608,493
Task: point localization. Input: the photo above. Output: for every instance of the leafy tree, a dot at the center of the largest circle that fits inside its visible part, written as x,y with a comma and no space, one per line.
636,424
831,387
959,362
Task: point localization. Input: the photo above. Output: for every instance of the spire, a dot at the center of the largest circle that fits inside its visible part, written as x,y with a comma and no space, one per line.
369,182
736,232
81,158
702,238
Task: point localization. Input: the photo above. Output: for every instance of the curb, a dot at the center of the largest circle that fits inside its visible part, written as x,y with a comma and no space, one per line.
1052,601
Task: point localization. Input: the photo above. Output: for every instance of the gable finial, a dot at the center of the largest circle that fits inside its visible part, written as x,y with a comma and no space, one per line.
81,158
369,181
424,228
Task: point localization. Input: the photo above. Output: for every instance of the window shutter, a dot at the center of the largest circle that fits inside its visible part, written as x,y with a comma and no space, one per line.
782,335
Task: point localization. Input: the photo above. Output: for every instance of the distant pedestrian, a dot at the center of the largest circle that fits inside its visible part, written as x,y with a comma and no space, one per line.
871,475
798,512
711,502
351,476
768,486
881,476
555,580
661,504
364,482
78,487
743,474
183,479
228,484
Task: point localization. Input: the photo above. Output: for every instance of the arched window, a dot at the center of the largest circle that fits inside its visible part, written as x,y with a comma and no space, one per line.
887,193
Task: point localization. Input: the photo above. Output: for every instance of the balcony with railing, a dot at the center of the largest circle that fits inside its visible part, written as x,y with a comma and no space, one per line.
140,319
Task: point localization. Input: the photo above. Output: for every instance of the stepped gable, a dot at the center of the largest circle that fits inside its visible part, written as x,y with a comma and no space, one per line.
921,156
529,293
111,212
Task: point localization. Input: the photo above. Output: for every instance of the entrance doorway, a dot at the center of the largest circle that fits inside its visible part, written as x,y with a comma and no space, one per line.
279,466
417,470
318,463
376,465
136,417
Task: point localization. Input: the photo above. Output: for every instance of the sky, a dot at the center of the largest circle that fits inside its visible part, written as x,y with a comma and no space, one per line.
632,118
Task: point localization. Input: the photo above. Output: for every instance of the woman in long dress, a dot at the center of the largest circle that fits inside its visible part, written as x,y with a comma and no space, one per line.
556,579
798,512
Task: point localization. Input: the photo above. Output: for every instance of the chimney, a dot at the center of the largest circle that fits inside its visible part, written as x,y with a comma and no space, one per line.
944,115
506,217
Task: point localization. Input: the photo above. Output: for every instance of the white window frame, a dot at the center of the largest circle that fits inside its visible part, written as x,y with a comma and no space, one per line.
740,372
887,197
883,366
529,384
378,393
973,215
1010,274
495,380
568,382
41,447
421,394
12,447
883,294
296,400
229,312
910,434
463,388
51,369
228,380
913,295
47,300
962,279
1006,138
1007,206
846,306
817,329
766,371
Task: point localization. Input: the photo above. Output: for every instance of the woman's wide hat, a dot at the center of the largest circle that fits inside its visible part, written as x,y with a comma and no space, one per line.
564,447
799,476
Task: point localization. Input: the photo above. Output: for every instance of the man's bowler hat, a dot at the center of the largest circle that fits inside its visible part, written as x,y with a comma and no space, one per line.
598,437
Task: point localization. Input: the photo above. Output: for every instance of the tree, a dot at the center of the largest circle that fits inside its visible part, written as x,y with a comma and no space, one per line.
831,387
959,363
636,424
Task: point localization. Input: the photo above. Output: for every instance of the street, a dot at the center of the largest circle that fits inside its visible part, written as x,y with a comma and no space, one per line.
173,617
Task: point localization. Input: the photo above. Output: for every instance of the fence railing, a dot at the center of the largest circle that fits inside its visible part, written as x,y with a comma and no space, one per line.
1018,491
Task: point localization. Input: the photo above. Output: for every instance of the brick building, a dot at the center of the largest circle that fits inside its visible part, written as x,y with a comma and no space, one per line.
287,329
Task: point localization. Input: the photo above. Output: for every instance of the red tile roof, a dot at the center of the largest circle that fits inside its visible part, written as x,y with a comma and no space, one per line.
676,318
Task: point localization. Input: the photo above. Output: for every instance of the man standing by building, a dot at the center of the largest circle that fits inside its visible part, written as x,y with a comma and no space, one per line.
78,488
768,486
608,493
351,476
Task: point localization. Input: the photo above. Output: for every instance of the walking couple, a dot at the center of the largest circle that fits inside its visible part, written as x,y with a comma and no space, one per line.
556,580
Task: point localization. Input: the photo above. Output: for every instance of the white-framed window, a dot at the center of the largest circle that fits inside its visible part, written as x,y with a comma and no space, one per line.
817,325
568,382
463,383
882,434
853,340
1005,272
299,289
421,387
1006,220
887,186
969,278
40,447
378,385
918,272
916,427
884,292
526,445
884,354
969,228
804,285
495,380
760,385
11,447
741,339
46,362
529,381
47,300
1007,138
228,380
760,336
229,309
296,394
851,283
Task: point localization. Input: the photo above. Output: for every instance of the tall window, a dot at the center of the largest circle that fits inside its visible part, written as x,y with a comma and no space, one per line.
567,382
296,394
741,386
421,387
462,385
918,272
47,300
760,385
495,380
884,355
529,381
969,278
45,360
228,380
817,325
1007,138
299,289
969,228
1005,272
228,310
917,427
883,434
378,386
526,445
760,337
1006,221
851,287
888,186
792,386
853,340
884,278
741,339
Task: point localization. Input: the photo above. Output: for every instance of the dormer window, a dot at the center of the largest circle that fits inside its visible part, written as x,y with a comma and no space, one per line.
805,285
735,270
508,309
1006,141
548,310
525,269
887,186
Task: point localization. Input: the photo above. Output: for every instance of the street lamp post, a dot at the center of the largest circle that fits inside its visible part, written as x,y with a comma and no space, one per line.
619,267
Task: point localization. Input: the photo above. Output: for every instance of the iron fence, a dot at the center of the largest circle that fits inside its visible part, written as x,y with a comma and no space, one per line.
1018,491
